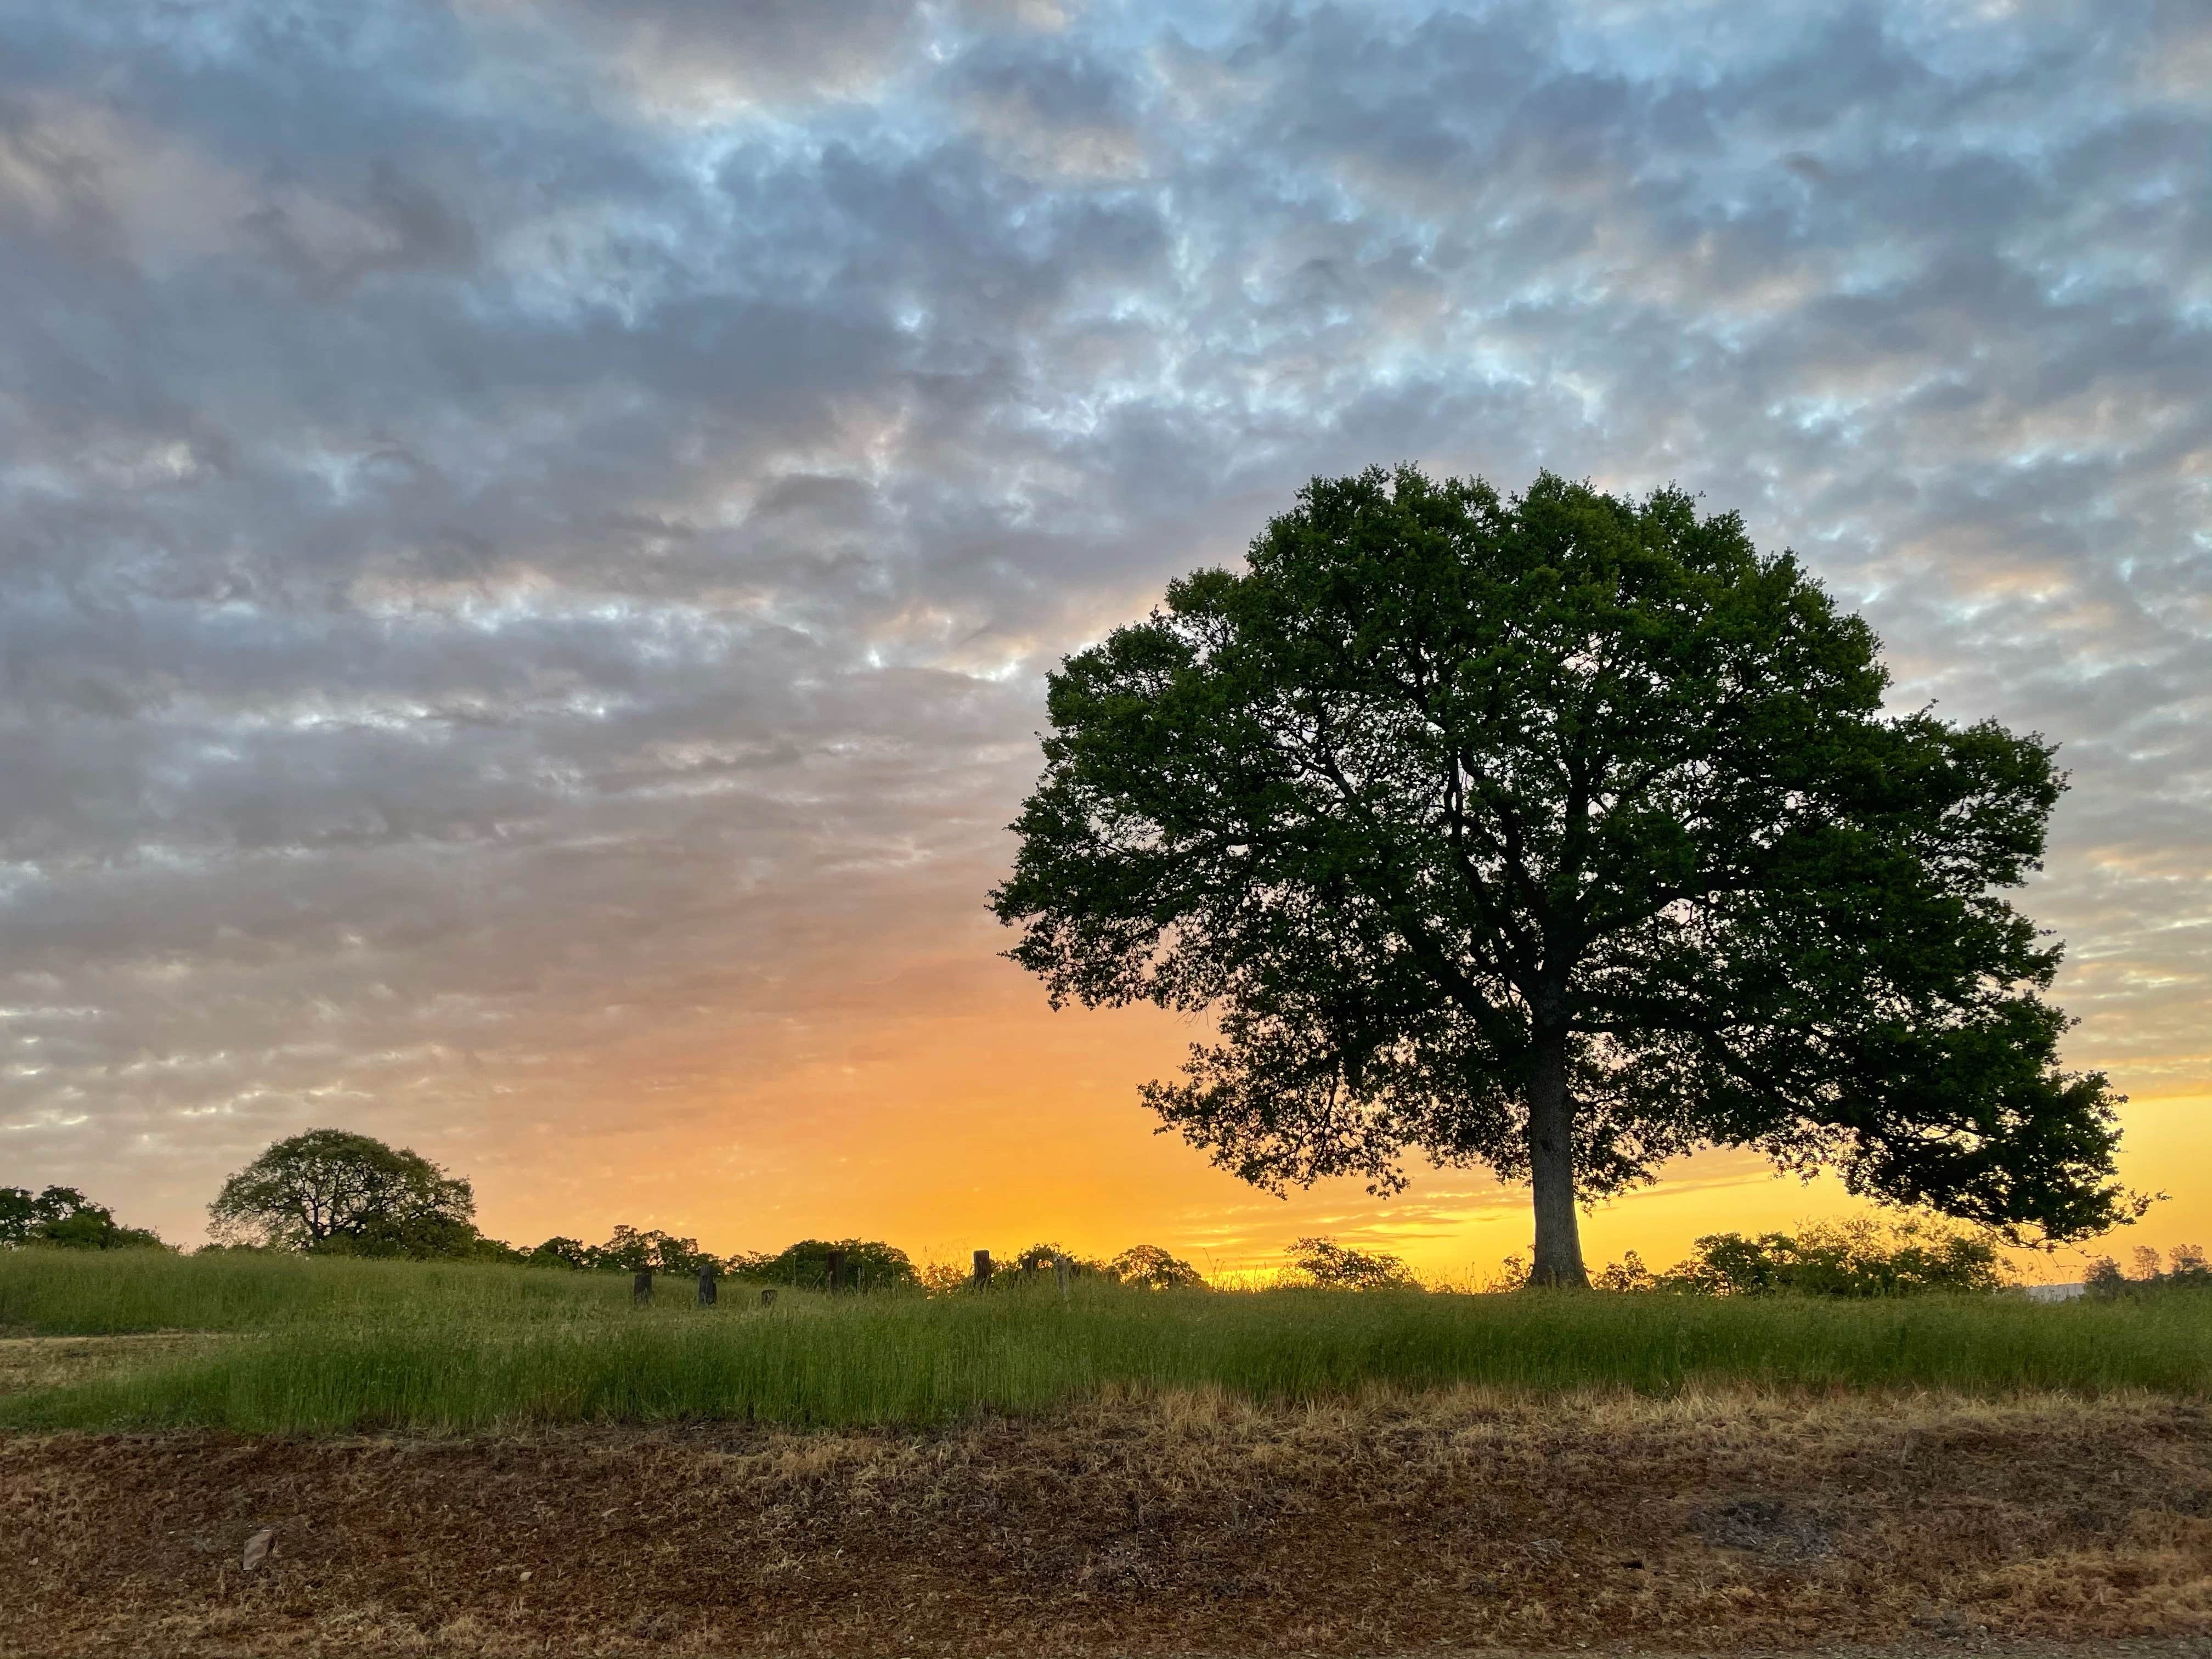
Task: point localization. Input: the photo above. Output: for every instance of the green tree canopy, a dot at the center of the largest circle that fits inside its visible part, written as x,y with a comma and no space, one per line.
65,1216
1564,833
337,1193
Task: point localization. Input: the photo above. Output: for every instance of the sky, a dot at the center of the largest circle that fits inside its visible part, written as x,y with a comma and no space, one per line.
531,532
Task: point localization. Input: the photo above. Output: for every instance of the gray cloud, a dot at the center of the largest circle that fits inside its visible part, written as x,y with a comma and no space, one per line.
531,531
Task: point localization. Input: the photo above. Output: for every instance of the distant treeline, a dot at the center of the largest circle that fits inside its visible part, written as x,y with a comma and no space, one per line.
2186,1269
860,1264
329,1192
65,1216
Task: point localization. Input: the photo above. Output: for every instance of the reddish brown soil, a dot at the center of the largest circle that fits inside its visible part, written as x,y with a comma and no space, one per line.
1178,1527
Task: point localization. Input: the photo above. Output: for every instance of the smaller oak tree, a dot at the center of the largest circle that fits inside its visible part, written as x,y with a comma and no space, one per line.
333,1192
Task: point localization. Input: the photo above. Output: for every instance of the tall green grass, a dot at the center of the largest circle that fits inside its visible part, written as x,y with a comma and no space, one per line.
442,1353
111,1292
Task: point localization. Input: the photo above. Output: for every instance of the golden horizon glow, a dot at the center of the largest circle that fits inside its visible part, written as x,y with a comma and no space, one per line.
1006,1125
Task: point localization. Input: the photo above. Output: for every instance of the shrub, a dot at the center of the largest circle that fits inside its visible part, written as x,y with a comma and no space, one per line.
944,1277
1627,1275
1152,1268
1856,1258
1340,1267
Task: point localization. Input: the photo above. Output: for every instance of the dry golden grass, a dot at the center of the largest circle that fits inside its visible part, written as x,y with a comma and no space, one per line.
1187,1524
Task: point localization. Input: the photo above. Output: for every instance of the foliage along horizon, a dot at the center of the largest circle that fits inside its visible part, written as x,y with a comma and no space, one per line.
1852,1258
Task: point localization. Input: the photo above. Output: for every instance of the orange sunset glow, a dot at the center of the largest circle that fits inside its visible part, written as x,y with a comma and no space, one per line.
989,1120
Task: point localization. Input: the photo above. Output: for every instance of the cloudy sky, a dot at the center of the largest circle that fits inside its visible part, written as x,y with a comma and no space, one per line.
531,531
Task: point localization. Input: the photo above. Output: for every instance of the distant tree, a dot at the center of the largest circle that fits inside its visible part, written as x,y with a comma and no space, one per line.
870,1264
683,1256
560,1252
1152,1268
335,1193
2189,1271
1340,1267
65,1216
633,1249
2104,1277
628,1250
1565,833
19,1213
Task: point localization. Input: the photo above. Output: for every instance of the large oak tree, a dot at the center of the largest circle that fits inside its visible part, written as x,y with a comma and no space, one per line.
1564,833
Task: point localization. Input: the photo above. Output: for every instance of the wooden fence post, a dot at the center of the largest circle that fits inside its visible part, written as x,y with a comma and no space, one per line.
641,1287
982,1268
706,1287
836,1270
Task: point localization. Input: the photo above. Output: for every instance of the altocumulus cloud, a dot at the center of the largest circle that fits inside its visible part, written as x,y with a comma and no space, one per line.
530,533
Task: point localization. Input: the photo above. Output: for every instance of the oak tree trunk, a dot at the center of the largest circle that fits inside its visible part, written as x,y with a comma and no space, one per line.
1552,1169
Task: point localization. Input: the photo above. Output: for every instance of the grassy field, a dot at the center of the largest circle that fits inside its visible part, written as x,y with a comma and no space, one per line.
327,1346
109,1293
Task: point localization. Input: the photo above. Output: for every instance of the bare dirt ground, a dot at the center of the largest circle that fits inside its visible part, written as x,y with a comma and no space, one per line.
1435,1523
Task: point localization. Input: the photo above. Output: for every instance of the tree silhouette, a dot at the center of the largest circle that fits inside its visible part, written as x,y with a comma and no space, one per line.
1564,833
